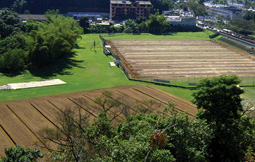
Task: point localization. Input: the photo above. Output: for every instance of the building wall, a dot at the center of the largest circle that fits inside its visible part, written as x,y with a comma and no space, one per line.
182,21
125,9
228,13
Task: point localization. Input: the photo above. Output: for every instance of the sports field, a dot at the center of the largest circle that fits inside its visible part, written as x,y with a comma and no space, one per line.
175,58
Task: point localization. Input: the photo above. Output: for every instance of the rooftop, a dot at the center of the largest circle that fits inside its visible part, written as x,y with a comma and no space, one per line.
120,2
144,2
33,17
129,2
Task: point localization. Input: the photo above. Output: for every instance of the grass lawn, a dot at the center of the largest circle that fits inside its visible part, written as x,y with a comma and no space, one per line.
180,35
90,69
249,94
87,70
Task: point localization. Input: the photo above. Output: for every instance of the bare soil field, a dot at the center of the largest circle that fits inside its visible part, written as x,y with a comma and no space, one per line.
21,120
166,59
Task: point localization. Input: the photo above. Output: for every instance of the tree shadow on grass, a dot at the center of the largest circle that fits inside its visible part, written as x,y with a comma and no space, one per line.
12,74
62,67
77,46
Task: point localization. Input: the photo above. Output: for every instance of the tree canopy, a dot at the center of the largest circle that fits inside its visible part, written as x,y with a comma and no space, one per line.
41,6
156,24
21,154
171,136
242,26
28,45
219,102
220,97
130,26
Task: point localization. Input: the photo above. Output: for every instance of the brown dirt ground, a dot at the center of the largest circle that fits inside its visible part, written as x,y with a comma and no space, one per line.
167,59
21,120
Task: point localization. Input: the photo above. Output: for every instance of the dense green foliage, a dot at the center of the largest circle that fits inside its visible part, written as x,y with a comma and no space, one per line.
130,26
13,53
163,5
171,136
242,26
220,105
53,40
40,6
21,154
84,23
156,24
249,15
27,45
197,8
9,22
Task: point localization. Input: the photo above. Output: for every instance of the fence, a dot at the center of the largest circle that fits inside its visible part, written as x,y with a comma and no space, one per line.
246,81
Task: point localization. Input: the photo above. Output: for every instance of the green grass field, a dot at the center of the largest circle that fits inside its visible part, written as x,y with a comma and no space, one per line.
90,69
181,35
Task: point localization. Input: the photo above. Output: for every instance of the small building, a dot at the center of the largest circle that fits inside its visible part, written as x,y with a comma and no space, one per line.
207,18
35,17
229,11
125,9
180,18
92,16
181,21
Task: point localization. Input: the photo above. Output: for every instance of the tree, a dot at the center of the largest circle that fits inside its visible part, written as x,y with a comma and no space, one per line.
18,5
32,45
9,23
162,5
99,28
139,20
242,26
53,40
157,24
40,6
70,137
13,60
13,43
84,23
170,136
219,103
21,154
249,15
198,8
130,26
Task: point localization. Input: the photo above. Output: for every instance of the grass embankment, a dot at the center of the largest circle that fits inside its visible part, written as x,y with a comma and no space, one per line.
89,70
